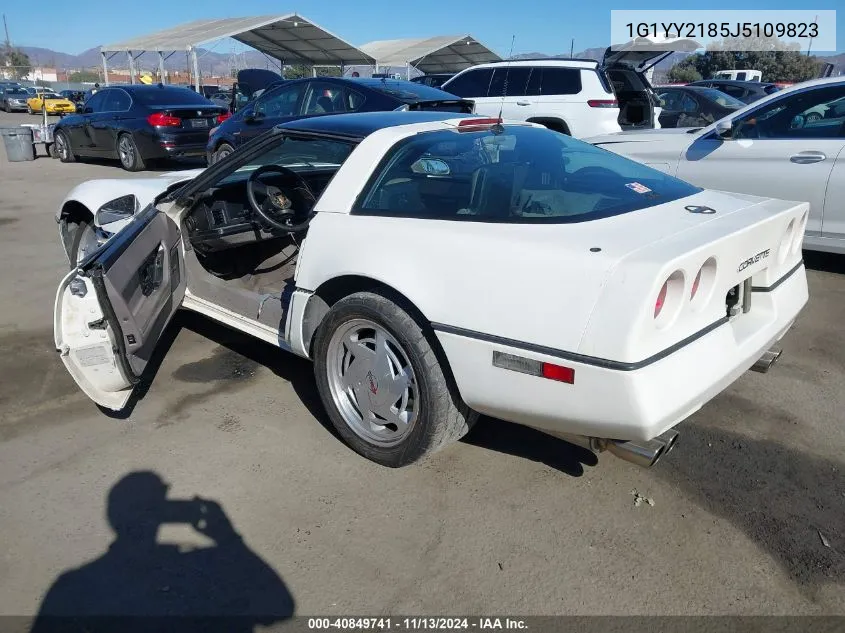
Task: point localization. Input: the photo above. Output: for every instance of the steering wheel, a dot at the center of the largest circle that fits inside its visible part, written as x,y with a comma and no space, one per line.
277,208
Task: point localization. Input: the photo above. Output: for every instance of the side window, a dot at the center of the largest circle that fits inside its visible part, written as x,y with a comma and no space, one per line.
670,100
116,101
808,114
354,100
688,104
323,98
473,83
516,78
281,102
741,76
560,81
96,101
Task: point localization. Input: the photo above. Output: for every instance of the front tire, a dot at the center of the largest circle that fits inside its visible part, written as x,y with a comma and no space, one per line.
222,151
84,241
127,151
381,382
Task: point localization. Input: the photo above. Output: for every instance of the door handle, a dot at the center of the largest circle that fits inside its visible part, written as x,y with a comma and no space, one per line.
805,158
151,273
523,103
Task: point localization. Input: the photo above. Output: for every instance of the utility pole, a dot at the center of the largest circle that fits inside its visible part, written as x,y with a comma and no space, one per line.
8,41
571,48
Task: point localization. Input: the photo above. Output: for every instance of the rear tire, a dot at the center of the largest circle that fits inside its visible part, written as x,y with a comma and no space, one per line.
376,369
222,151
63,148
127,151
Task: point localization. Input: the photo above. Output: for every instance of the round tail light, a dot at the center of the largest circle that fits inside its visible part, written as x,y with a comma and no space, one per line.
695,284
661,299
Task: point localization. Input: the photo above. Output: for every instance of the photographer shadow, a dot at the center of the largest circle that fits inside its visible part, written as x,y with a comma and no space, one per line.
139,584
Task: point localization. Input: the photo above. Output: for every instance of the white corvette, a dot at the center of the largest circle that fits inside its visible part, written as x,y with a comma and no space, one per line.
436,267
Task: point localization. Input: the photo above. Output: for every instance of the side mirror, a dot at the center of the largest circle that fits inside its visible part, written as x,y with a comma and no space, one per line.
250,116
118,209
87,110
431,167
725,129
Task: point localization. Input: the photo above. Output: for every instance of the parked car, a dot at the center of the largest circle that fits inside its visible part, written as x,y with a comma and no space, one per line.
14,98
745,91
739,75
694,106
579,97
77,97
37,90
138,124
435,80
221,98
51,102
318,96
769,148
664,293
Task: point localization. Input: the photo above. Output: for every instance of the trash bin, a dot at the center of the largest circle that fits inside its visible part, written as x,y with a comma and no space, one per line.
18,143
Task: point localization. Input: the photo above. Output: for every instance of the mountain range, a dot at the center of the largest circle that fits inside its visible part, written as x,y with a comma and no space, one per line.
219,64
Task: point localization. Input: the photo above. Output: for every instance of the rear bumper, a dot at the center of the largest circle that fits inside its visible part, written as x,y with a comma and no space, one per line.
169,145
636,403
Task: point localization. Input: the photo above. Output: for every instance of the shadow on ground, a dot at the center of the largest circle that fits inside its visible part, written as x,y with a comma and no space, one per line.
138,584
521,441
791,504
824,262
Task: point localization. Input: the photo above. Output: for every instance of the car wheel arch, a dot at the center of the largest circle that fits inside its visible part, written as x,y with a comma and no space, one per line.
333,290
72,215
556,124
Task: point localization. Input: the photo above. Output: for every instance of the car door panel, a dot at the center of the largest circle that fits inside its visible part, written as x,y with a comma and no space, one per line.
773,153
111,311
280,105
833,220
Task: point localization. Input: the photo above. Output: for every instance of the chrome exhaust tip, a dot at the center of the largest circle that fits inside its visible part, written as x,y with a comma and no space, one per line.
765,362
644,453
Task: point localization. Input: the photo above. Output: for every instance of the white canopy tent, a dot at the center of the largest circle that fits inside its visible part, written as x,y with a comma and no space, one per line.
440,54
291,39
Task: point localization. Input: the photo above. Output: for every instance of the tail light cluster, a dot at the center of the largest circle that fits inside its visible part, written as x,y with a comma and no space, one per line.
798,238
159,119
603,103
672,296
223,117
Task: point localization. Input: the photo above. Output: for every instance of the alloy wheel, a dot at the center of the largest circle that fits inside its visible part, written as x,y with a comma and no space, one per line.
372,383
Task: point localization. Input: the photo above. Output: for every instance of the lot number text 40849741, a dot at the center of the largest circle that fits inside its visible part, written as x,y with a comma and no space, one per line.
416,624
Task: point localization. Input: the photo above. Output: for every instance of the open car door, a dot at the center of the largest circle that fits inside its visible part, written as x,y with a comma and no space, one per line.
111,310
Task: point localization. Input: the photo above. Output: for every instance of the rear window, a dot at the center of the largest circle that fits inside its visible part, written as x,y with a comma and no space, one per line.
771,89
169,96
521,175
560,81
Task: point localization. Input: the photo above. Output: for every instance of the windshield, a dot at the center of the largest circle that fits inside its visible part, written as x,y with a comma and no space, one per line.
523,174
297,154
169,96
51,95
16,92
723,99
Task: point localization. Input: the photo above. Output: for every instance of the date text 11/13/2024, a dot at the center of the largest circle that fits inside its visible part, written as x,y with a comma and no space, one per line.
800,30
416,624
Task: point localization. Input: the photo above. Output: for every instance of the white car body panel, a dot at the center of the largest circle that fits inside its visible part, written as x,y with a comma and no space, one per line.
544,292
93,194
765,167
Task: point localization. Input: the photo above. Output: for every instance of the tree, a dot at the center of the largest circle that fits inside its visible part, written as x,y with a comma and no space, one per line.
683,74
83,76
777,60
17,61
298,71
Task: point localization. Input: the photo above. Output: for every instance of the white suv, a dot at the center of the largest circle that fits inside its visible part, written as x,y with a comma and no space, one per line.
579,97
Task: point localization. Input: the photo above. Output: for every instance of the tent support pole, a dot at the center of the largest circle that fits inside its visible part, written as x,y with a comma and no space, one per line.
131,67
105,69
161,75
196,68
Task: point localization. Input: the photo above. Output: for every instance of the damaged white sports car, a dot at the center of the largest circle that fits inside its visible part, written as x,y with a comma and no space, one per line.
435,267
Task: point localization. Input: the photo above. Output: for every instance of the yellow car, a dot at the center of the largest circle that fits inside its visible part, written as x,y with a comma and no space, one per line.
53,103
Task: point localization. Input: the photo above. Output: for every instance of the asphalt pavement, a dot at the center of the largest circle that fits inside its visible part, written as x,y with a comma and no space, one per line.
745,516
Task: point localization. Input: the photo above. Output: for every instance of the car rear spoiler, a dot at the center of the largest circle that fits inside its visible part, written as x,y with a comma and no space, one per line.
466,106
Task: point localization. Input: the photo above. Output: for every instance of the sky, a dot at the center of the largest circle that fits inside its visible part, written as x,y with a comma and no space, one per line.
544,26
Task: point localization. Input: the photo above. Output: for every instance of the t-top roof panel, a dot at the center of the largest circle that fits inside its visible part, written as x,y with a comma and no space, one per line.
290,38
441,54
